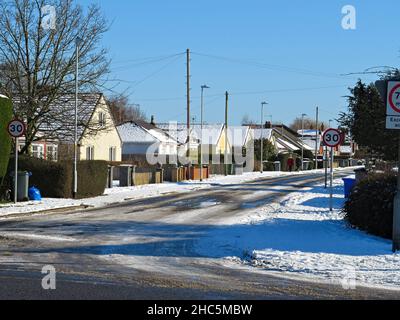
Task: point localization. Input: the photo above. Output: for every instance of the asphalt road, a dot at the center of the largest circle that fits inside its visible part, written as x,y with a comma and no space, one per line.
146,249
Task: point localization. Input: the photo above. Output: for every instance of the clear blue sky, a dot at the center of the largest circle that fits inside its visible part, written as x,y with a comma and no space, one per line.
294,44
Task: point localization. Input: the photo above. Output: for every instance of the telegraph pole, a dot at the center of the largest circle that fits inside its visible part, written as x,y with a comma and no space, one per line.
262,137
75,186
316,139
188,107
226,133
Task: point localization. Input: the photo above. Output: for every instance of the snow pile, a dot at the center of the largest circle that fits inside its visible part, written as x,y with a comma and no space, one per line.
302,238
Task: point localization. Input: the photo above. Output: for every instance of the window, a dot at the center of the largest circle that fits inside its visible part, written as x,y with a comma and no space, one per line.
90,153
102,119
52,153
112,153
37,151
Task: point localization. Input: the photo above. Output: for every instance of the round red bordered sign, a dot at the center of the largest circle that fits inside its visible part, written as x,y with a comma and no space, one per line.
16,128
392,98
332,137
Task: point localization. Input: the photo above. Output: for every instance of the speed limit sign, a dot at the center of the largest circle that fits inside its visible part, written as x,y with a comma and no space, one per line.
332,137
16,128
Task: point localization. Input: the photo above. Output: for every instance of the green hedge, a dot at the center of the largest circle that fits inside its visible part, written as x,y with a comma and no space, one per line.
6,113
55,179
92,178
370,205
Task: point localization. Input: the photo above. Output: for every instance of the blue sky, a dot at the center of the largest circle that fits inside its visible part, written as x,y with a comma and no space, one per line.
290,54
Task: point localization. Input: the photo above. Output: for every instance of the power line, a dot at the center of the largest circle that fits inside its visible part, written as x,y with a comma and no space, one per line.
137,82
140,61
271,66
247,93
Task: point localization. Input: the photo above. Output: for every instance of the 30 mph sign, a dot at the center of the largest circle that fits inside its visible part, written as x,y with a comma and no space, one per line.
16,128
393,105
332,137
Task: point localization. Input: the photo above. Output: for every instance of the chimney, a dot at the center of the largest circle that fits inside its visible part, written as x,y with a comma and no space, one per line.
152,121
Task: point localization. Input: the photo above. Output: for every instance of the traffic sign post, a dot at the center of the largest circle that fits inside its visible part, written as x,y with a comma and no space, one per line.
16,129
393,123
331,138
393,105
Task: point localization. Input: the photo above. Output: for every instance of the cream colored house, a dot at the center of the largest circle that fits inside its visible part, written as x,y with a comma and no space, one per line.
98,138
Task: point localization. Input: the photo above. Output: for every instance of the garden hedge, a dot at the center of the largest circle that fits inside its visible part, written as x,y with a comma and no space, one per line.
370,205
55,179
6,113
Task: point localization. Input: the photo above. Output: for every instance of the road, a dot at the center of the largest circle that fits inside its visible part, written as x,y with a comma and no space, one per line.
146,249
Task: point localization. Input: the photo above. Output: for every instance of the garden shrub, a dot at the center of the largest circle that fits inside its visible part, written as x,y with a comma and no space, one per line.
370,205
55,179
6,113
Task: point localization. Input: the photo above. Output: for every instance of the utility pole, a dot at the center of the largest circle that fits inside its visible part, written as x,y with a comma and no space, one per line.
75,190
316,139
188,108
226,133
302,141
201,129
262,137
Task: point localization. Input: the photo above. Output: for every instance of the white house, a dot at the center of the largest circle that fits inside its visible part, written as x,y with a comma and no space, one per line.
140,138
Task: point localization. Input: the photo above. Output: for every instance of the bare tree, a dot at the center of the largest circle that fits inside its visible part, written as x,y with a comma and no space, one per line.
37,58
247,121
123,111
308,124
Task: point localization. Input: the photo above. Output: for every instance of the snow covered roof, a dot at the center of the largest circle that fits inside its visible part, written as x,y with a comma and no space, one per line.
266,134
60,119
310,143
134,132
287,144
211,133
176,131
308,132
238,135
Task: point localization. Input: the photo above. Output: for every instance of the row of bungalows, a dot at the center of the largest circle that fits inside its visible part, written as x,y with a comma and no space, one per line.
139,138
100,139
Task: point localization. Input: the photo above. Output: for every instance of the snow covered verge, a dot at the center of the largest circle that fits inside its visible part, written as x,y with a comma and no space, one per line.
301,238
116,195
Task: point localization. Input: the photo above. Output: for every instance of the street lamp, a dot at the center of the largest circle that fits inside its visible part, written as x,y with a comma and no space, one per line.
262,136
302,141
75,191
330,121
201,131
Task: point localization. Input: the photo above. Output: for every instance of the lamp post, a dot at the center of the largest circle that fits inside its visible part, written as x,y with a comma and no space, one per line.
302,141
262,137
201,131
75,191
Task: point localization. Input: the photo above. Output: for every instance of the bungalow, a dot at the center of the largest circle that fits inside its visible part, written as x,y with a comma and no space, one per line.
139,139
98,138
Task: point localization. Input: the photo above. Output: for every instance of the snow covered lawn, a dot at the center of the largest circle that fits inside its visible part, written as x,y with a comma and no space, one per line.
300,237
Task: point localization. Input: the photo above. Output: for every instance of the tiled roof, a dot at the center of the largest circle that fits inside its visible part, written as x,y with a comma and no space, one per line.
60,119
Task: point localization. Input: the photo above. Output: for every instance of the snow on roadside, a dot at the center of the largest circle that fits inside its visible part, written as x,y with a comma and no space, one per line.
115,195
300,237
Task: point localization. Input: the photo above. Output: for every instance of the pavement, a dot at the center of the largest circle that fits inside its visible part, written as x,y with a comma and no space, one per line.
146,249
